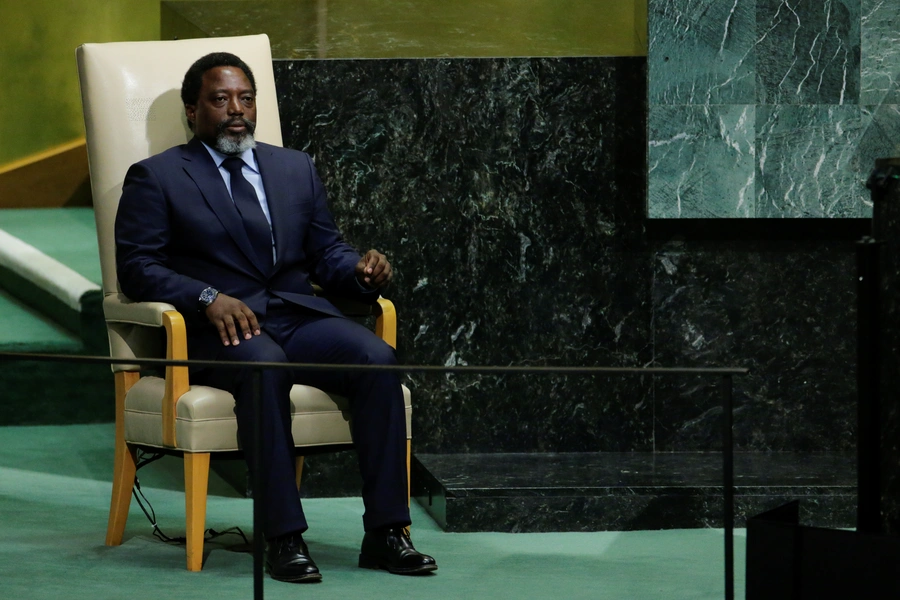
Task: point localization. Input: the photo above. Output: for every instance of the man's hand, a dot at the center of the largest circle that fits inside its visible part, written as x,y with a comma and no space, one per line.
374,270
230,315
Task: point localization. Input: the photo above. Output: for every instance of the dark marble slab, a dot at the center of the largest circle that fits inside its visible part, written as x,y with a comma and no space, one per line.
614,491
506,192
886,225
784,310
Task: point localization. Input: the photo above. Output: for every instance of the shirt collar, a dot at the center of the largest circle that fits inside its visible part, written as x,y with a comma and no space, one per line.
247,156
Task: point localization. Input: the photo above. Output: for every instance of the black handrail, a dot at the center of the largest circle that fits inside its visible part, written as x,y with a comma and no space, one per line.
727,374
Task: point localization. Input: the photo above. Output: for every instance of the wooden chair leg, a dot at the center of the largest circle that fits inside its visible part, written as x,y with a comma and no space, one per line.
196,481
124,464
298,467
123,481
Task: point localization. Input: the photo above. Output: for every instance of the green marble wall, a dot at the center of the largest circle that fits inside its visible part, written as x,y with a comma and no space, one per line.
37,64
420,28
769,108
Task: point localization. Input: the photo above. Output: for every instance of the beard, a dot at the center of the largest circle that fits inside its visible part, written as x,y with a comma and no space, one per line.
233,145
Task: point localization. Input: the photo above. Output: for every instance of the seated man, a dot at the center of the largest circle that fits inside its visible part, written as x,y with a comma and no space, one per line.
231,232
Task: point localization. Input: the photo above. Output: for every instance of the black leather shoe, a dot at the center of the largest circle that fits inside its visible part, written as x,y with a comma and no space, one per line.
392,550
287,559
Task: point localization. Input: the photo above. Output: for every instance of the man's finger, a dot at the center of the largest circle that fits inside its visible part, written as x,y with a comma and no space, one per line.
243,324
372,258
251,321
223,333
232,330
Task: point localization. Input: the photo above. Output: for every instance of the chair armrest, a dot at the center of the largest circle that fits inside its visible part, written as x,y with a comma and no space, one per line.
177,382
117,308
386,322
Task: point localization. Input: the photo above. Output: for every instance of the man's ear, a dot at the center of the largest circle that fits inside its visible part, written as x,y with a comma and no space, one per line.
190,111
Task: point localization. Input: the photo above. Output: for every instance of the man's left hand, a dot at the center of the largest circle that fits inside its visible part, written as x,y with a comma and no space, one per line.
374,270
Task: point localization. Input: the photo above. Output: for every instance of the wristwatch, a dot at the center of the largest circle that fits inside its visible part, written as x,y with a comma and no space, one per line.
208,296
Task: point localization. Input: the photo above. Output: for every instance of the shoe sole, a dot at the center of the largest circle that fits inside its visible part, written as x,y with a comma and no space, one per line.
314,578
308,578
366,562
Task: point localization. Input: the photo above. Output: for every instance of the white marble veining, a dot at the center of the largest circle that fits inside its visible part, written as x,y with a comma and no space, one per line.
880,52
757,107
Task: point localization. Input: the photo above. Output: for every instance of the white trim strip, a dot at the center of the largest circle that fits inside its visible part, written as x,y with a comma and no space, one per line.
47,273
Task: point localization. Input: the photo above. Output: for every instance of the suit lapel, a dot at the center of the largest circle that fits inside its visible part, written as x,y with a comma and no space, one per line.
200,166
275,196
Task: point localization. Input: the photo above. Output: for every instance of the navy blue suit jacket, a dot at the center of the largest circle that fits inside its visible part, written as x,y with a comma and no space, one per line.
178,232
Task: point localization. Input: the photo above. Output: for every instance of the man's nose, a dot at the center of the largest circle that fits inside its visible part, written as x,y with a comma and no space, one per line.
234,107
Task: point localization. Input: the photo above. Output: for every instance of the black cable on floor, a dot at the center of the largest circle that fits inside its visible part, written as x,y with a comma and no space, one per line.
144,459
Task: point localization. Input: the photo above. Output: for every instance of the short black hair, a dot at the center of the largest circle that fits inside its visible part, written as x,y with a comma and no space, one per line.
193,79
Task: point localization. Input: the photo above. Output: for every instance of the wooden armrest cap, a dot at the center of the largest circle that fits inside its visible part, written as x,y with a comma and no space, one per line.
118,308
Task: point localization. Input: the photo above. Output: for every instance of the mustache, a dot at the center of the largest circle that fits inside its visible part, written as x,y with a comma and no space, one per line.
250,125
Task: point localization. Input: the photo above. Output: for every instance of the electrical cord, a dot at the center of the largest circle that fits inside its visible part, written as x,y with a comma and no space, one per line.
144,458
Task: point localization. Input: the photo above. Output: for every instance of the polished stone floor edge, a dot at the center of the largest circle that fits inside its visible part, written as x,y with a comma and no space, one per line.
620,492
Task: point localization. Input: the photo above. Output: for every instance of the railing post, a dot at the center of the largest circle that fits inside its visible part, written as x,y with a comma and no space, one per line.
728,482
259,491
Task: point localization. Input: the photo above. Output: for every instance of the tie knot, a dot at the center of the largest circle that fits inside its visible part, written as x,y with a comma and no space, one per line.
233,164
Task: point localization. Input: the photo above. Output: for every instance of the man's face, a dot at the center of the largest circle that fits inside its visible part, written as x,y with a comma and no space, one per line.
225,114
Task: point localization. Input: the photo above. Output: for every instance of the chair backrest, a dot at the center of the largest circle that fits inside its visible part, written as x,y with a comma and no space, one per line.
131,98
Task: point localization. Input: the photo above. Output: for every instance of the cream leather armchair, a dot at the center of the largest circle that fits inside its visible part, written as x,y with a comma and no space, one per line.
132,110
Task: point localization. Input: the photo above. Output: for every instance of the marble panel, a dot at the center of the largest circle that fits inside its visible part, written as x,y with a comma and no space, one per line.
880,138
808,161
501,189
880,53
786,311
808,51
701,161
886,225
702,52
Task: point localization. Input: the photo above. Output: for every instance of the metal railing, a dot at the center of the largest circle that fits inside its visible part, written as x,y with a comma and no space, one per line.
726,374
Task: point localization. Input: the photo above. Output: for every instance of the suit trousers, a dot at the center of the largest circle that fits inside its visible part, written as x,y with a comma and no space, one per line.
294,334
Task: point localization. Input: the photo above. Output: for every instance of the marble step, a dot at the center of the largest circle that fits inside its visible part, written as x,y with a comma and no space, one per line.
538,492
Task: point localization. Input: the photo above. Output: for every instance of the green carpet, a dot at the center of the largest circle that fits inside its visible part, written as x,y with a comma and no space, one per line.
54,495
34,320
65,234
24,329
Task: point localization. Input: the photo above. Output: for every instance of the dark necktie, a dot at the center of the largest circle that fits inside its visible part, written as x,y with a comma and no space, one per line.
247,203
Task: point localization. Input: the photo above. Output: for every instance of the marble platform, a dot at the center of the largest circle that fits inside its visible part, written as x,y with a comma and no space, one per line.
626,491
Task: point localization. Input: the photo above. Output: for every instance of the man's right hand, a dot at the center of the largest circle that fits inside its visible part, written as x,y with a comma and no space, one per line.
232,319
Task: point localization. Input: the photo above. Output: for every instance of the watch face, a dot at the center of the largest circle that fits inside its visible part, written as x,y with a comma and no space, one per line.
208,295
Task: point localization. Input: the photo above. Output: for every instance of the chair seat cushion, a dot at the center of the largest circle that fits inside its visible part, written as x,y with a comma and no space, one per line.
205,421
